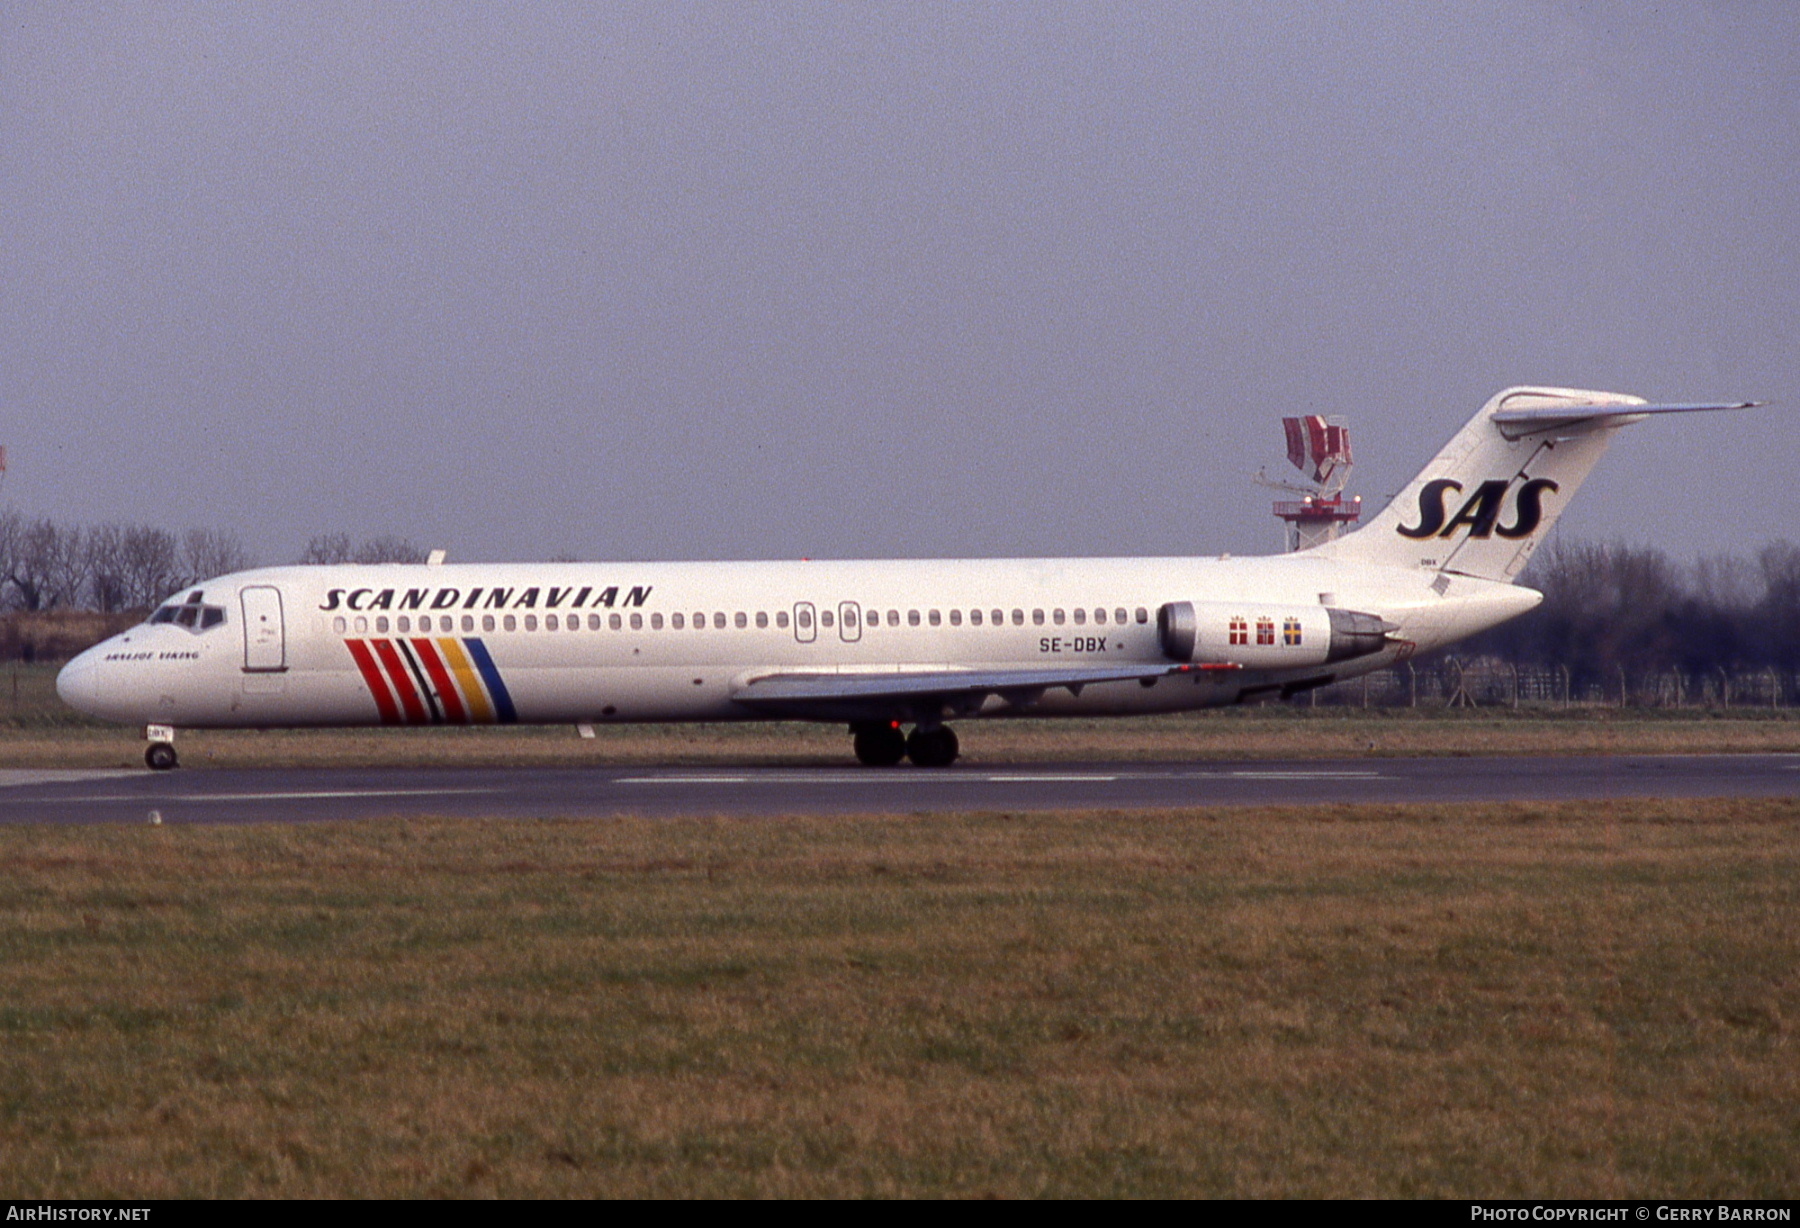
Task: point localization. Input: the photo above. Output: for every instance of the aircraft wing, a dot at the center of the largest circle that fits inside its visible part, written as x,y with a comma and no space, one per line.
1516,422
858,695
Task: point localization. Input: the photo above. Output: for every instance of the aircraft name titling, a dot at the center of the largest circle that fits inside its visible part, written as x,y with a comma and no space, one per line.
489,597
1480,513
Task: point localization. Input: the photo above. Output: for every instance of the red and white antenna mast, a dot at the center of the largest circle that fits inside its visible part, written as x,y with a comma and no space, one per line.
1320,449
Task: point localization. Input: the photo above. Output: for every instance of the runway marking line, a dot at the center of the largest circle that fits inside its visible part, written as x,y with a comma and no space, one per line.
145,798
1301,775
900,778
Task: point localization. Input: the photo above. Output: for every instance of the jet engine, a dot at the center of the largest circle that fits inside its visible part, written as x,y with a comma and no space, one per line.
1259,635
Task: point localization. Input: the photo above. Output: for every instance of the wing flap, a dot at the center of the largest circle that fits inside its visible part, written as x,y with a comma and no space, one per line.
810,692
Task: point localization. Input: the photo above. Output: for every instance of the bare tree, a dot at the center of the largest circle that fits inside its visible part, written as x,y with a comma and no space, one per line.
151,565
326,549
206,553
107,583
388,549
69,566
11,528
1778,614
36,563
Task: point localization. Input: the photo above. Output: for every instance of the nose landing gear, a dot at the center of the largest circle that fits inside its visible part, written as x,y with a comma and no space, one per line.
160,756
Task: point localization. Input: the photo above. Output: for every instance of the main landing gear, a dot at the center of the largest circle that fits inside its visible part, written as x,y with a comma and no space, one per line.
881,744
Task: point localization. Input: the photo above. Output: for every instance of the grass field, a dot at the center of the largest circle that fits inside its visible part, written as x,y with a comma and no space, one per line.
1510,1000
37,731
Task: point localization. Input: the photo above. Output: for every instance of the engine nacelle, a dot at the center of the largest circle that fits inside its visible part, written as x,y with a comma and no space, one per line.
1258,635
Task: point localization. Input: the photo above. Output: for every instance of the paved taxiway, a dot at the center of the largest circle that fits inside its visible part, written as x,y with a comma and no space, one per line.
261,796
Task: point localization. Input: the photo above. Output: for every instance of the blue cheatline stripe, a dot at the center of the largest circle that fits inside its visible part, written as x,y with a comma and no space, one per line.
503,705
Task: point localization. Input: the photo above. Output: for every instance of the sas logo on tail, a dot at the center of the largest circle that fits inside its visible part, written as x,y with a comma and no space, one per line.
1481,511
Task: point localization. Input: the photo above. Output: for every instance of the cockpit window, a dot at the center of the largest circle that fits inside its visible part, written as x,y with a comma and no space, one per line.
193,613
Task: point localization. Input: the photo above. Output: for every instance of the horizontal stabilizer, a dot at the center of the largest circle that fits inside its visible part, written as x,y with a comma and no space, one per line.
1516,423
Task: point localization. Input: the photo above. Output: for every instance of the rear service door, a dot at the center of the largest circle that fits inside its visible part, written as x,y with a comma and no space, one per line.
849,622
265,636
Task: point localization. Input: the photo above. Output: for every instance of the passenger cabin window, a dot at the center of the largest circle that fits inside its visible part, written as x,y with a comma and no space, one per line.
762,619
1143,616
825,618
339,626
468,621
1037,618
656,622
974,618
956,618
531,622
1119,615
362,625
381,624
893,618
509,623
740,620
781,619
403,626
614,622
1018,618
934,618
678,621
719,620
912,618
1100,617
487,622
1080,617
550,623
637,622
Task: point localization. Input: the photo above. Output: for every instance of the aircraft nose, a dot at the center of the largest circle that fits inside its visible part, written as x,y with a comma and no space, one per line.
78,683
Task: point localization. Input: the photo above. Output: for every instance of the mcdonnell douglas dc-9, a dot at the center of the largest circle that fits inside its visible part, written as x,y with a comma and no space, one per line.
879,646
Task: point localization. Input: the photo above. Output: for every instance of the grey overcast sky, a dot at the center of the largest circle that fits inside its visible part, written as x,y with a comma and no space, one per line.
644,280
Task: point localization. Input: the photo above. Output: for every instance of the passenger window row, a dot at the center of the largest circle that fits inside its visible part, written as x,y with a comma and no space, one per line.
998,618
718,620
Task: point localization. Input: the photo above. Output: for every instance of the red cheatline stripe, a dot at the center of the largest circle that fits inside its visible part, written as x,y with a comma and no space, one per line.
384,703
396,668
440,678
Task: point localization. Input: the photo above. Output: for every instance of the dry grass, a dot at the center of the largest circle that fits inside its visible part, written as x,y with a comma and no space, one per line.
37,731
1276,733
1510,1000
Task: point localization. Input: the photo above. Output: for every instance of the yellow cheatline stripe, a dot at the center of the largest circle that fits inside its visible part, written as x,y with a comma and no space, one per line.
467,679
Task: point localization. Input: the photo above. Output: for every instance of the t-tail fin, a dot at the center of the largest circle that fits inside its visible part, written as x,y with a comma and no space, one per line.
1481,507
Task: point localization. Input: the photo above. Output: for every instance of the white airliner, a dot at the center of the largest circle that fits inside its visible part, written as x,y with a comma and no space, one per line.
876,645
